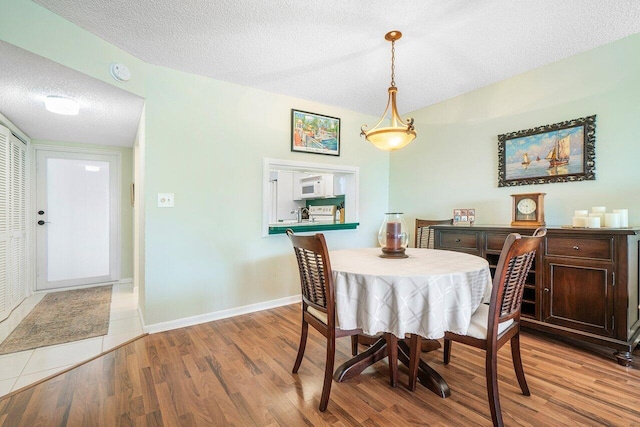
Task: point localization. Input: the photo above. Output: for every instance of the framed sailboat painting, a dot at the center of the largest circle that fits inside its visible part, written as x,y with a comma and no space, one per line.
561,152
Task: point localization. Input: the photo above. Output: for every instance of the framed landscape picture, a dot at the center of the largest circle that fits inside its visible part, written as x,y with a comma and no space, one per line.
561,152
315,133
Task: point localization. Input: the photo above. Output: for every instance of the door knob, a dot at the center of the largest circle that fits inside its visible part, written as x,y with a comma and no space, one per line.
40,212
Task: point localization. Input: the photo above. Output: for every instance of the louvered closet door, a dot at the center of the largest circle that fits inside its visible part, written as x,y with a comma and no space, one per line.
13,221
4,223
18,221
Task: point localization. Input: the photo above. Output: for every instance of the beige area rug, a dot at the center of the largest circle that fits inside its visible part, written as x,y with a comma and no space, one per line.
62,317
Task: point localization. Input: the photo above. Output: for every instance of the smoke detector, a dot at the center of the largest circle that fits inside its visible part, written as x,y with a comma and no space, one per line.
120,72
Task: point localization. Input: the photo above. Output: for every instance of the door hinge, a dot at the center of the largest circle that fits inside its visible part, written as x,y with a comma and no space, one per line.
613,278
613,322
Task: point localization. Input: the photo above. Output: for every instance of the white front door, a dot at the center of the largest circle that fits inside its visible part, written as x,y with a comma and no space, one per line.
77,205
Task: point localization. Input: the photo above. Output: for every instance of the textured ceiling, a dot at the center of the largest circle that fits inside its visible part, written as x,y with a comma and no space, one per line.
328,51
108,115
334,52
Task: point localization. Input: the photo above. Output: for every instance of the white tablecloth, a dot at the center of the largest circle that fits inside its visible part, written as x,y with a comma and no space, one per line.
428,293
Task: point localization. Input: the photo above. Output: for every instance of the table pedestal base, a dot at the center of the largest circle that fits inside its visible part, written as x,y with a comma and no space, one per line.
428,376
359,363
378,351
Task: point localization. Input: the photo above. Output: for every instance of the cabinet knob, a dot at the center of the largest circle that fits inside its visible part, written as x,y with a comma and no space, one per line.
457,240
577,248
546,289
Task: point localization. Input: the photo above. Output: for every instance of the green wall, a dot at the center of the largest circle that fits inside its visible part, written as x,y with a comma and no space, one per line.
456,163
204,141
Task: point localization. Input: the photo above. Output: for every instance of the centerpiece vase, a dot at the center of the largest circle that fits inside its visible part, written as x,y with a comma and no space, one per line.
393,236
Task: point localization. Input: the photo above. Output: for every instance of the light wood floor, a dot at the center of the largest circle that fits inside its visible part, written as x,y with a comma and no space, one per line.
238,372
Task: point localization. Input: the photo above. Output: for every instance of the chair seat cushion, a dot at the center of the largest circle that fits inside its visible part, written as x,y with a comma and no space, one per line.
479,322
320,315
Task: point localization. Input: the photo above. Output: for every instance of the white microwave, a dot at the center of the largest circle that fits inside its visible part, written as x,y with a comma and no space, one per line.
316,186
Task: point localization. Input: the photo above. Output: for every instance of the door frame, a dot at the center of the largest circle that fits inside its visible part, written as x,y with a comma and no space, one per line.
32,216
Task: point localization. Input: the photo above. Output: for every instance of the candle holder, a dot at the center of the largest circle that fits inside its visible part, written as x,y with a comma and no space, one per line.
393,236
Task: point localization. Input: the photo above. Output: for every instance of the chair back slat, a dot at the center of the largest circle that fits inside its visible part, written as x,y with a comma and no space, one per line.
424,235
516,259
515,280
314,266
312,277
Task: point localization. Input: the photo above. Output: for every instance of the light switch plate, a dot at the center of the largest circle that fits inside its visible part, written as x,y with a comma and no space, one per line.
165,200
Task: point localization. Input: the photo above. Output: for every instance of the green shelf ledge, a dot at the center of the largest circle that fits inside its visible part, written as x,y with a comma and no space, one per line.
306,228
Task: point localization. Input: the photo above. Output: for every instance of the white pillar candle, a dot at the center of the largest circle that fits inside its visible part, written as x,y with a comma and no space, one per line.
580,221
593,222
581,213
612,220
598,215
624,216
599,209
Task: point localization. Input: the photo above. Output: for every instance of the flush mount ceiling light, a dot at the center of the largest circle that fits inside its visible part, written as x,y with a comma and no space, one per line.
61,105
399,134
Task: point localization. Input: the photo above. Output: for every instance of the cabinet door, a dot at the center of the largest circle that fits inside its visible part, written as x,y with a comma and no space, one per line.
578,294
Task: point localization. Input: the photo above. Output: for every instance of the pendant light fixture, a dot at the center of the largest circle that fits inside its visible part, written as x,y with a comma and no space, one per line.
399,134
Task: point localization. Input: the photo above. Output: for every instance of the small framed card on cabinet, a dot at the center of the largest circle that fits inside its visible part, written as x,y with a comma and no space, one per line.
464,216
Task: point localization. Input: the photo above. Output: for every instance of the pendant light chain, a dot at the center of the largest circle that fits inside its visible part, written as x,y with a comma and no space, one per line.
393,61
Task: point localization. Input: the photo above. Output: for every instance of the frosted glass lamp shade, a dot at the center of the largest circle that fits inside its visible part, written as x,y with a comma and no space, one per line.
391,138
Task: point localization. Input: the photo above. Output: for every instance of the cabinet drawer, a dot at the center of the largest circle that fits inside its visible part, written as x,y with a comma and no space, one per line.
459,240
580,247
495,241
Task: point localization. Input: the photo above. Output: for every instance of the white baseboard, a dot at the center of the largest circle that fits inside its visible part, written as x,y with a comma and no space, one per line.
217,315
73,288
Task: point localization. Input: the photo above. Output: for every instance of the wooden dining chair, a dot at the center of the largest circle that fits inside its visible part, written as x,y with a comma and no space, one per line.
318,303
424,238
424,235
494,324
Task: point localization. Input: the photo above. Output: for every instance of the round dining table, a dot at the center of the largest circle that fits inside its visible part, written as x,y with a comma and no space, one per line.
427,293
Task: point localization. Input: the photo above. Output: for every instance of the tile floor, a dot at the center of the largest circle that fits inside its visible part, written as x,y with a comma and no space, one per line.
26,367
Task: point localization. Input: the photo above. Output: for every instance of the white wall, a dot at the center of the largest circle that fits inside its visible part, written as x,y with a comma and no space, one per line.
454,162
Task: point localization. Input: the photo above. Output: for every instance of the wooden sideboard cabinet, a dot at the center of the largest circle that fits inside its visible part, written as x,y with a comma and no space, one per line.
584,283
